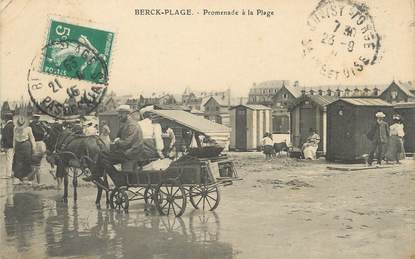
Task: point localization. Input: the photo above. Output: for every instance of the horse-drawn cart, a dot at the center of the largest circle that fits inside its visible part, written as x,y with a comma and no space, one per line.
196,179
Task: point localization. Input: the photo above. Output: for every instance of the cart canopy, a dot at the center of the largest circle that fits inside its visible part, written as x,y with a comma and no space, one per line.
218,132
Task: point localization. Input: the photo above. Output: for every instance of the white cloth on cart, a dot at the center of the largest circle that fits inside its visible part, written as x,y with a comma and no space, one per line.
161,164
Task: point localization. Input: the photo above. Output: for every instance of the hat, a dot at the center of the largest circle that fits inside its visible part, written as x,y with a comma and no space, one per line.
21,121
380,115
396,117
124,108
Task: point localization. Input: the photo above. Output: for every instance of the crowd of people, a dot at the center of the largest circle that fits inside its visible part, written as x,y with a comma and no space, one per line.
308,150
24,147
386,142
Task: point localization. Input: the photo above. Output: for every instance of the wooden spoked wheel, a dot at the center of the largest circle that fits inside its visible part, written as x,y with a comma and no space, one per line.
119,199
204,196
170,199
149,196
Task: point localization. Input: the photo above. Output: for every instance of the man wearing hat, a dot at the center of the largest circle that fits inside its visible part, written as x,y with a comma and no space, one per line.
38,129
127,146
379,135
7,142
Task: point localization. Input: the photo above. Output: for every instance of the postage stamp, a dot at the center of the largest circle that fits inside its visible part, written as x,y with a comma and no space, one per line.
69,77
80,47
342,39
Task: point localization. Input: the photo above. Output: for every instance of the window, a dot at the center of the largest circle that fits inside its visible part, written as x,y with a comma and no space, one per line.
217,109
285,96
394,94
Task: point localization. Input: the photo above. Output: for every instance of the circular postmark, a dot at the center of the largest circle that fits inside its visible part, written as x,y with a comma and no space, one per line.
342,38
68,79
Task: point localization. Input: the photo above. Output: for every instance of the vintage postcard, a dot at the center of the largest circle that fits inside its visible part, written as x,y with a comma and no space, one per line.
207,129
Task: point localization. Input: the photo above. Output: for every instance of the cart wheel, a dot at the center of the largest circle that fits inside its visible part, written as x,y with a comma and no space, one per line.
170,198
149,196
119,199
207,197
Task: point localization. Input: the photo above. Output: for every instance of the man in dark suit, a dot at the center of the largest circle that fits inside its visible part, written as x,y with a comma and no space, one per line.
127,146
379,135
7,142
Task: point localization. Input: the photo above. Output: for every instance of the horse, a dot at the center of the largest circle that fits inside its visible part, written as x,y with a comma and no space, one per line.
65,149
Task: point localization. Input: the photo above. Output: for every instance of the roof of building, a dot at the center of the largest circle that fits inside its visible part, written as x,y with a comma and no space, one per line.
252,106
404,105
271,84
323,100
365,101
192,121
224,101
320,100
380,87
168,107
406,87
295,91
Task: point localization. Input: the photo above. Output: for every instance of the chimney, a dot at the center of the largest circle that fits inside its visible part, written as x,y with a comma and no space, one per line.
296,83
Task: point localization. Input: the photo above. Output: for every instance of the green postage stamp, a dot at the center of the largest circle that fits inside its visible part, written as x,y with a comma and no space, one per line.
77,52
69,78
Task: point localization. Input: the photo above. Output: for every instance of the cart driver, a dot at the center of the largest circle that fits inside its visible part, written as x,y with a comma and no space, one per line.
127,146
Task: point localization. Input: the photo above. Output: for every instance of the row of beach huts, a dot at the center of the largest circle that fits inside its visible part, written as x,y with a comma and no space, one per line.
342,124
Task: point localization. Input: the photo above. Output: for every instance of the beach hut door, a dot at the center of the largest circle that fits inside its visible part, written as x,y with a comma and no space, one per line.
241,129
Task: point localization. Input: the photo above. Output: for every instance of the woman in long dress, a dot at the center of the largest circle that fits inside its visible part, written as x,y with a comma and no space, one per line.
395,144
24,147
311,145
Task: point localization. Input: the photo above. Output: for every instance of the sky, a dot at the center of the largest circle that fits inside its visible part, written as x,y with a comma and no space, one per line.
168,53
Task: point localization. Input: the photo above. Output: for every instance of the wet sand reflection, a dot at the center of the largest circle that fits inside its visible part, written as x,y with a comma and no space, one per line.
70,231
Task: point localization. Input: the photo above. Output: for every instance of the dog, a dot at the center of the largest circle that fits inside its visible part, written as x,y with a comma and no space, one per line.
279,147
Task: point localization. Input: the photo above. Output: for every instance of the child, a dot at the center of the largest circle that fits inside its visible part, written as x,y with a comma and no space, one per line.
267,146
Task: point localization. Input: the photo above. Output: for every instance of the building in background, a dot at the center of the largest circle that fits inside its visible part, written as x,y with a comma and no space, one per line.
281,101
348,122
263,92
278,95
216,108
394,92
196,99
310,111
398,92
161,99
248,124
